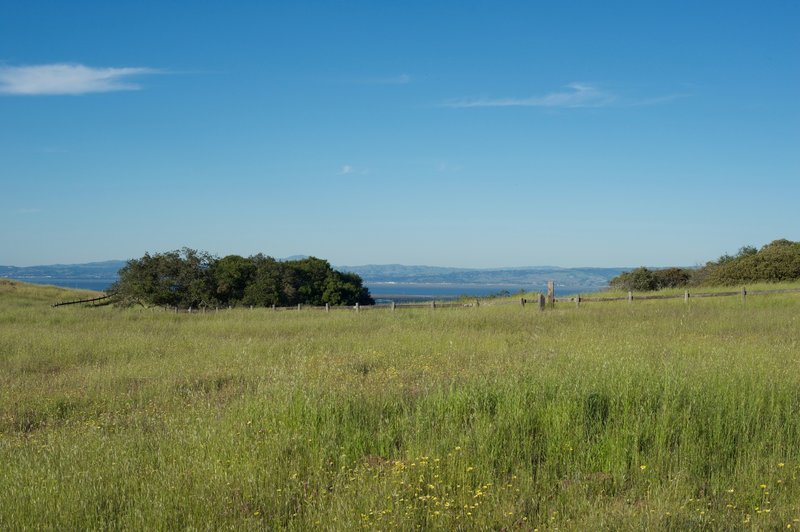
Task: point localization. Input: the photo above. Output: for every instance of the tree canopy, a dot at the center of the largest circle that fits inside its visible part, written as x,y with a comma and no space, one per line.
777,261
190,278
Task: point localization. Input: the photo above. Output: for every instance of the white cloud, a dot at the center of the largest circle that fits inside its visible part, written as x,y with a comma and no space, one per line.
575,95
351,170
66,78
402,79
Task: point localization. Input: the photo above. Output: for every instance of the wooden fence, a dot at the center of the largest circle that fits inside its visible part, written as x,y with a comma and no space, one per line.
95,301
541,301
686,296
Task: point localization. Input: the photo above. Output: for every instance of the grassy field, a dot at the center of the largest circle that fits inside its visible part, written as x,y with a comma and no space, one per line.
649,415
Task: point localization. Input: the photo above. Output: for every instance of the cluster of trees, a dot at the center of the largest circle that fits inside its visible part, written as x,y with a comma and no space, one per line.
190,278
644,279
777,261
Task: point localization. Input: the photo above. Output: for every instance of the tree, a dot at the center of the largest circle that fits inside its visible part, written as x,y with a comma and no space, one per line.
189,278
641,280
777,261
231,276
672,277
175,278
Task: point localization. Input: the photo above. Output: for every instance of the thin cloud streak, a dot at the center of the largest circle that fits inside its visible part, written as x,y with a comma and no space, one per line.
67,78
575,96
402,79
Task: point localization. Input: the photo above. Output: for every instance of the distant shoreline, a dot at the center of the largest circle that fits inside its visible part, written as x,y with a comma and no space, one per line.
384,291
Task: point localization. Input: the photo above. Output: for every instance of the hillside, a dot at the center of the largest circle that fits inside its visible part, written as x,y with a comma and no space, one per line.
652,415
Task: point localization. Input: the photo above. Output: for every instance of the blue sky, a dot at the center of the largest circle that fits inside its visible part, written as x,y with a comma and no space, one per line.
473,134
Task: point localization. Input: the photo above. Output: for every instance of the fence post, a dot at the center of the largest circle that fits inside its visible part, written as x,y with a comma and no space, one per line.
630,296
433,304
176,310
357,308
327,307
540,297
273,306
744,294
298,306
686,296
578,300
393,306
551,294
477,302
522,301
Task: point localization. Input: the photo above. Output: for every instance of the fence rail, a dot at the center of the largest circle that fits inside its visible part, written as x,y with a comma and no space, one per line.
541,301
105,299
685,296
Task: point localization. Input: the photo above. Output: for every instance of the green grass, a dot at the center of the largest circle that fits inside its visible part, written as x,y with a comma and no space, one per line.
650,415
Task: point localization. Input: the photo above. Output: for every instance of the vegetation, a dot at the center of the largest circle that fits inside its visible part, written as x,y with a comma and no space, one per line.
778,261
190,278
643,279
617,416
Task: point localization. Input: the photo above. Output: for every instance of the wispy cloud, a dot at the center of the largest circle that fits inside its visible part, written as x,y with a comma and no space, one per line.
349,169
67,78
573,96
400,79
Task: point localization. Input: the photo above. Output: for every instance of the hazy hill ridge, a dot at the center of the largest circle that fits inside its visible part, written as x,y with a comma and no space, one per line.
529,276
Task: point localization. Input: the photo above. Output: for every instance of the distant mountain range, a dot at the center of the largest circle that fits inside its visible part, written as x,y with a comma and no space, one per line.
592,279
380,278
91,270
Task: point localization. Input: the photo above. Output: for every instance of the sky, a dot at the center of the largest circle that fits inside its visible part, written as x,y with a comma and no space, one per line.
469,134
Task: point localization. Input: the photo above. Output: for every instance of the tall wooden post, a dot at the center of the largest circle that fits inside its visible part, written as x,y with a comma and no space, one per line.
578,300
358,308
522,301
540,300
630,296
686,296
327,307
744,295
551,294
433,304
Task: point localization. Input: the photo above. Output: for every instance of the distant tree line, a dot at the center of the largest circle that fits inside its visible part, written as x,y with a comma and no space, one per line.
190,278
777,261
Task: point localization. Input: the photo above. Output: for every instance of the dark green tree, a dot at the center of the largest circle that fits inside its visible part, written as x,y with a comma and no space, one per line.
231,276
175,278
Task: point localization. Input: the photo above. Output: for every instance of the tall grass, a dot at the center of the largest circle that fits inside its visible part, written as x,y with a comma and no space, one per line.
654,414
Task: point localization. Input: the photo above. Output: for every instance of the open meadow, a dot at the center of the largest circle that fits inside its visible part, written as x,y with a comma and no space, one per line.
645,415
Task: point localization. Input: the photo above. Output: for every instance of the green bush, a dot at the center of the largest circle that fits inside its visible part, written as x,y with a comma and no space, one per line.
643,279
777,261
